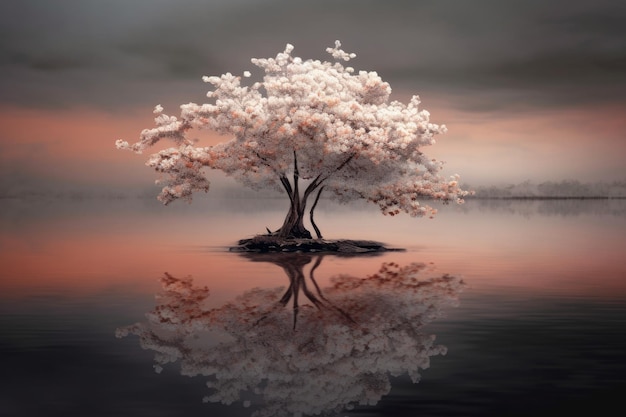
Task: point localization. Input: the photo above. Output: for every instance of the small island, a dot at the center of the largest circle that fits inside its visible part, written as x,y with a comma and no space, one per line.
273,244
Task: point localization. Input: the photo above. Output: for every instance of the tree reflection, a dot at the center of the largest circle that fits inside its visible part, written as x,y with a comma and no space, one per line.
337,350
293,264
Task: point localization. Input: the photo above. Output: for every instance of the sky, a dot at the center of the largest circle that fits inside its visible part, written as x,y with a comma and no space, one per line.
529,90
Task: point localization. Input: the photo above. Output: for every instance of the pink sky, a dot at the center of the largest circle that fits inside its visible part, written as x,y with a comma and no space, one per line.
530,91
587,144
76,146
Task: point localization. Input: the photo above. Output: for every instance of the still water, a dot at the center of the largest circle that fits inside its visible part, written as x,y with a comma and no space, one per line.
126,308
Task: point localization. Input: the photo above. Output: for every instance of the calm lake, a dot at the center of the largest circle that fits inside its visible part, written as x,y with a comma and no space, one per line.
503,308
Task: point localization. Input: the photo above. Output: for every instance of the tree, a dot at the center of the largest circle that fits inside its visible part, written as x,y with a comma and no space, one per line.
307,127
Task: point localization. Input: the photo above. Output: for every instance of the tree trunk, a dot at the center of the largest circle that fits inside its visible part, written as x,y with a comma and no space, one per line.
293,226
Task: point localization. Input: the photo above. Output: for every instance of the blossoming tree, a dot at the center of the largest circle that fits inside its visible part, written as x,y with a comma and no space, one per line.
307,127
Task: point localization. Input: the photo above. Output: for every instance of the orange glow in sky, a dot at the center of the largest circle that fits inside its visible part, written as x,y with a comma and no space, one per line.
76,146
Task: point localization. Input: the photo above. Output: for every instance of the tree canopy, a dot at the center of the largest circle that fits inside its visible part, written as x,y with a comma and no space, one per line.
307,126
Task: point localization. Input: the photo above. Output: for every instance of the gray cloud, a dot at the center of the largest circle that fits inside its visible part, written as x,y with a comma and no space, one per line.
117,53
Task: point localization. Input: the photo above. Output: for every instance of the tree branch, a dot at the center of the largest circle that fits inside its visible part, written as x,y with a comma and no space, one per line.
317,230
285,182
345,162
283,179
319,180
296,178
312,186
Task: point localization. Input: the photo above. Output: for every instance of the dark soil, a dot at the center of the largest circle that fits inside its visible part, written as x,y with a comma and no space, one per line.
266,243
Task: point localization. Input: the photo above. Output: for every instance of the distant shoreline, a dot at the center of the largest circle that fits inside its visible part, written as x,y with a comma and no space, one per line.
546,198
129,196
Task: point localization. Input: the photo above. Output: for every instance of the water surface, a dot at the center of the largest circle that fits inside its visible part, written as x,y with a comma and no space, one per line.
535,328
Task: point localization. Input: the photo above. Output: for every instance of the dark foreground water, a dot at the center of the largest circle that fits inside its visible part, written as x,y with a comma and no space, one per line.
124,308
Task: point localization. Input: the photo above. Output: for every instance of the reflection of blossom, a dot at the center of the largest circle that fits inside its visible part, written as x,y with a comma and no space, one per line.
335,358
